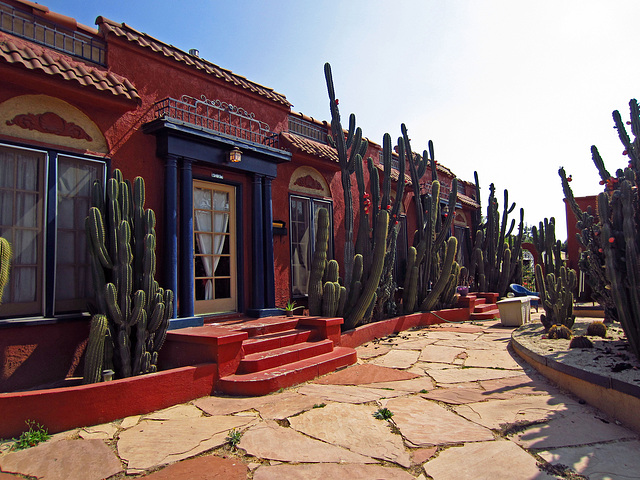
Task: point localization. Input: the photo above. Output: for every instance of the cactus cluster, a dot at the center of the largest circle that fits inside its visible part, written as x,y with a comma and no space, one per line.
555,282
590,239
580,342
5,263
432,272
619,228
559,331
122,242
496,260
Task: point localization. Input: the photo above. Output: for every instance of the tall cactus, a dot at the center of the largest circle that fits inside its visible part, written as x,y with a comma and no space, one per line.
555,282
592,259
5,264
619,228
122,242
428,260
495,247
94,356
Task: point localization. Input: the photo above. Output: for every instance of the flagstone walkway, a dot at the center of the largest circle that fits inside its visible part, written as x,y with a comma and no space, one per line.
464,407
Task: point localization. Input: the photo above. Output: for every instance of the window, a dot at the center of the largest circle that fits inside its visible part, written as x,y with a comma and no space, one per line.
44,199
302,237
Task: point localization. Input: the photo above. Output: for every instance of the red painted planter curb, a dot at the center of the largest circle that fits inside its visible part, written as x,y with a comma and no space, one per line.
371,331
60,409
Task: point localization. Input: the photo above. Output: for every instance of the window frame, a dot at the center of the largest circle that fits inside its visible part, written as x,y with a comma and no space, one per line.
48,250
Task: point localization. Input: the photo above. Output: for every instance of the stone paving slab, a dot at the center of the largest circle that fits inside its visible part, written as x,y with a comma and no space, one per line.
175,413
364,374
130,421
472,374
152,443
499,459
203,468
400,359
287,404
491,358
353,427
271,441
64,460
327,471
576,429
497,413
611,461
460,394
106,431
215,405
440,354
425,423
409,386
347,393
520,385
371,350
417,344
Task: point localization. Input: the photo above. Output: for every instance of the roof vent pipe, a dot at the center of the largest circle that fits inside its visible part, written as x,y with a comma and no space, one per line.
194,52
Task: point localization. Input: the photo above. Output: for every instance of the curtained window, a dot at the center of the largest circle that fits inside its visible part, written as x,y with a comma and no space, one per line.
41,236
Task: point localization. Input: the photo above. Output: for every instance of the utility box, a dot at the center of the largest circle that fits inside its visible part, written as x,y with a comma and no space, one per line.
515,311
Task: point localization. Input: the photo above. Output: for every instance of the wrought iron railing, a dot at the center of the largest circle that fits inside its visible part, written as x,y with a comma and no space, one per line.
395,162
217,116
307,129
28,26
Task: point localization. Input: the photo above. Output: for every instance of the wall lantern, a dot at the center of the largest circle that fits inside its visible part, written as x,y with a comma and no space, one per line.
235,155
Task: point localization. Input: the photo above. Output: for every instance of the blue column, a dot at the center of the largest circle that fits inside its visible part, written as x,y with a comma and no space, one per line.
269,266
257,241
170,251
186,240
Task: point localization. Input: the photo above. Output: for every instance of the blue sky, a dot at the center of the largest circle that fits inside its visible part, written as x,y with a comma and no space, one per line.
511,89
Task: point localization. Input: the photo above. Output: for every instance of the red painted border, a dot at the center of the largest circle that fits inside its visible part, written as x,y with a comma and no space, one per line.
61,409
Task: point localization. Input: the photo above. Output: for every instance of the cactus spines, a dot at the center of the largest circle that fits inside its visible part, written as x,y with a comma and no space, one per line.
5,263
597,329
580,342
94,355
431,299
121,239
559,331
556,296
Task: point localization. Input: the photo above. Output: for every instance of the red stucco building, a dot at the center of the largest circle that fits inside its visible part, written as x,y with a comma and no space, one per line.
234,238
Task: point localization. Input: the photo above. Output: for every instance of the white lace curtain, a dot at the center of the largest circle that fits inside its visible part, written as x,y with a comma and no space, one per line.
211,221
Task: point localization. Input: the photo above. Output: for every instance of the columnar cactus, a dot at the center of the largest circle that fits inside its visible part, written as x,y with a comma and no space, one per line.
428,261
499,252
94,356
618,227
5,263
122,242
591,261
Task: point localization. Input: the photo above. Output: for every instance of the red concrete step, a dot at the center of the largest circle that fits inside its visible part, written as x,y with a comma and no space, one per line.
484,308
256,362
480,301
273,379
263,326
486,315
280,339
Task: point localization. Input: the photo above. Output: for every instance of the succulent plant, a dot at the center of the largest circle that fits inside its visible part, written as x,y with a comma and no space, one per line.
559,331
580,342
122,242
597,329
5,264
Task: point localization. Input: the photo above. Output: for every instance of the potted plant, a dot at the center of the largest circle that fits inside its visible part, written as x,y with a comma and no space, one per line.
290,308
463,288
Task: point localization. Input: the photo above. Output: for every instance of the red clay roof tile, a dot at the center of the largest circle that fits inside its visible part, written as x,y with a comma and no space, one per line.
40,59
106,27
310,147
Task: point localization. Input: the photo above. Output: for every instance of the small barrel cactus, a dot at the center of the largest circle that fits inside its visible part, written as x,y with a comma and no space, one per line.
559,331
580,342
597,329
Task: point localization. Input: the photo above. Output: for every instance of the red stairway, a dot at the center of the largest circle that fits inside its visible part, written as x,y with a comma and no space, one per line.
482,306
280,353
259,356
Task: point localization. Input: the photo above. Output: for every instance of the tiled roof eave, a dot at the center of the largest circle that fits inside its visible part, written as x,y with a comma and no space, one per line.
41,60
125,32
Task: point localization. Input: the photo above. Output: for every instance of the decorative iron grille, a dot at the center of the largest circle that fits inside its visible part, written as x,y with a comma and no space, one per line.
307,129
217,116
25,25
395,161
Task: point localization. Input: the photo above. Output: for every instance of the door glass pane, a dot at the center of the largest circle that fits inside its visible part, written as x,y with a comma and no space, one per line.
21,215
300,238
75,180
